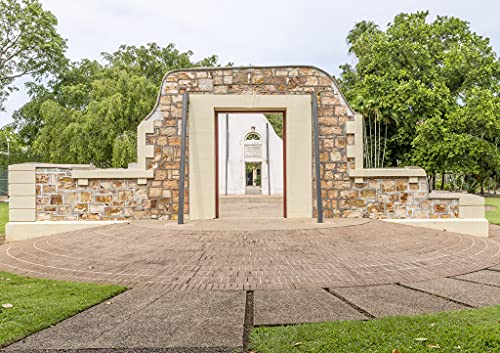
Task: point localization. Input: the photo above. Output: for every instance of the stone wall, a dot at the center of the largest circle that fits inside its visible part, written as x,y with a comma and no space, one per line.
59,198
384,198
333,112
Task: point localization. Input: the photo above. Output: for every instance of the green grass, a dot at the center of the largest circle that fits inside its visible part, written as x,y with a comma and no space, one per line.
39,303
493,216
472,331
4,217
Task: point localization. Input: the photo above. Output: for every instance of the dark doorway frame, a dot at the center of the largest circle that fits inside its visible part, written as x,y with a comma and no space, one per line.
247,111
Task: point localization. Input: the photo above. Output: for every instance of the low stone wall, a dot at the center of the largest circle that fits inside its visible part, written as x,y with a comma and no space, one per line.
60,198
396,198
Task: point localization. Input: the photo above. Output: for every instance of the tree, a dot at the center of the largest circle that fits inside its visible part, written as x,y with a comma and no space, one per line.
419,81
90,111
29,43
12,148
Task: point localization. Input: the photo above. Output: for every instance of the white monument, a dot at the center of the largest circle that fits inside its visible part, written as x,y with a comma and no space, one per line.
250,155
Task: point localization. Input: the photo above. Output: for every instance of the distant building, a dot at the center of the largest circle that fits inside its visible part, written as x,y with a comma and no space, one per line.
254,162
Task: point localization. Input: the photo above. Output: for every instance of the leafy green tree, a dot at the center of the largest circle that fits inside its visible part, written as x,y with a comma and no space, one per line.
29,43
12,148
416,81
90,111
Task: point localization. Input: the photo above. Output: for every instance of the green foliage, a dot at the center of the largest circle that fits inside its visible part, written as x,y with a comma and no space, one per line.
124,149
473,330
276,121
40,303
435,85
4,218
29,43
12,148
90,111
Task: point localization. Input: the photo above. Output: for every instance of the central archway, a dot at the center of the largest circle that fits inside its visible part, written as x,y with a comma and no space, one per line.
203,184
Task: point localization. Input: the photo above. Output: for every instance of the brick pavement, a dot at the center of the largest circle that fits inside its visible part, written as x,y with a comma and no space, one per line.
161,255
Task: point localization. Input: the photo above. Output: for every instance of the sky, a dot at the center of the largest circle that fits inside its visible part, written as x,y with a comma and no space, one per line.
257,32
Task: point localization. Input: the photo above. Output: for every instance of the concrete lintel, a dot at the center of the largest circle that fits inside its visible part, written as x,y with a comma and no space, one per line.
112,173
471,226
27,230
387,172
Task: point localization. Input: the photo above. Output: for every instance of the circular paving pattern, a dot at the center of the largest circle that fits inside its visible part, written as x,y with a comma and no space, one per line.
159,254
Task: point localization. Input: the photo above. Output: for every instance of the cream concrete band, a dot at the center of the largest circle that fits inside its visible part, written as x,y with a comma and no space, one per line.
27,230
355,151
147,126
470,205
388,172
22,193
202,156
470,226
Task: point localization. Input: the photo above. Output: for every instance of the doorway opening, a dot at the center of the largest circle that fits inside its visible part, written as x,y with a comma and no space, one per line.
253,185
250,164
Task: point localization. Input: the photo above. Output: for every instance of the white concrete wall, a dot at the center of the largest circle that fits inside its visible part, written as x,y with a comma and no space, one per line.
239,126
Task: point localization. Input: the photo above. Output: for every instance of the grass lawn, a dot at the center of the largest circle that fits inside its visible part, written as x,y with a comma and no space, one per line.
472,331
38,303
493,215
4,217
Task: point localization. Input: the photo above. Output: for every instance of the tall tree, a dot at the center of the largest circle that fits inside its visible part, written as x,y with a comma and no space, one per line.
90,111
29,43
415,80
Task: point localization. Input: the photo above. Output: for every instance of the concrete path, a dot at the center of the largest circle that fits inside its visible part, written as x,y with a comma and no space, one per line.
161,319
149,320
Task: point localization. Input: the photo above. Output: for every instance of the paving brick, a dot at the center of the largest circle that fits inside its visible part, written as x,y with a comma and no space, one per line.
251,254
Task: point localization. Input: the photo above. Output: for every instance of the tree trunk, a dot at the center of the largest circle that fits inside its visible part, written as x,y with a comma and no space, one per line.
442,180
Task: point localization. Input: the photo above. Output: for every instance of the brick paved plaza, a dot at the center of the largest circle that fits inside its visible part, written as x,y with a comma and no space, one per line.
241,255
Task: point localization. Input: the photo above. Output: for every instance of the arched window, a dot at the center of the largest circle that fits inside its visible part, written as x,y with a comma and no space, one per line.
252,136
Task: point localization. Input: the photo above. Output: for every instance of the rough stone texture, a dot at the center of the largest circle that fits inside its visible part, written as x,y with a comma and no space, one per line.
300,306
241,256
384,198
393,300
464,292
59,198
150,318
376,198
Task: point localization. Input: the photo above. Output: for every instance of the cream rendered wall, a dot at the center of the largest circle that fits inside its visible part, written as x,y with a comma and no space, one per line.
239,126
201,127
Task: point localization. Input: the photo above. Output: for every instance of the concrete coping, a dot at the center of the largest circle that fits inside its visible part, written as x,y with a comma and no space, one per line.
387,172
30,166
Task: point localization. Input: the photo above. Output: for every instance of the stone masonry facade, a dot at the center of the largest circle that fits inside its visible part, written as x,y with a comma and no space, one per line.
59,197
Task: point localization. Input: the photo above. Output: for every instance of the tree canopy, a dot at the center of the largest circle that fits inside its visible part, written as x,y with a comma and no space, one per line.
29,43
432,87
90,111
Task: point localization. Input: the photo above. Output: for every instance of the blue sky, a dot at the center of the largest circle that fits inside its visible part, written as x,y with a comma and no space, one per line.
257,32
